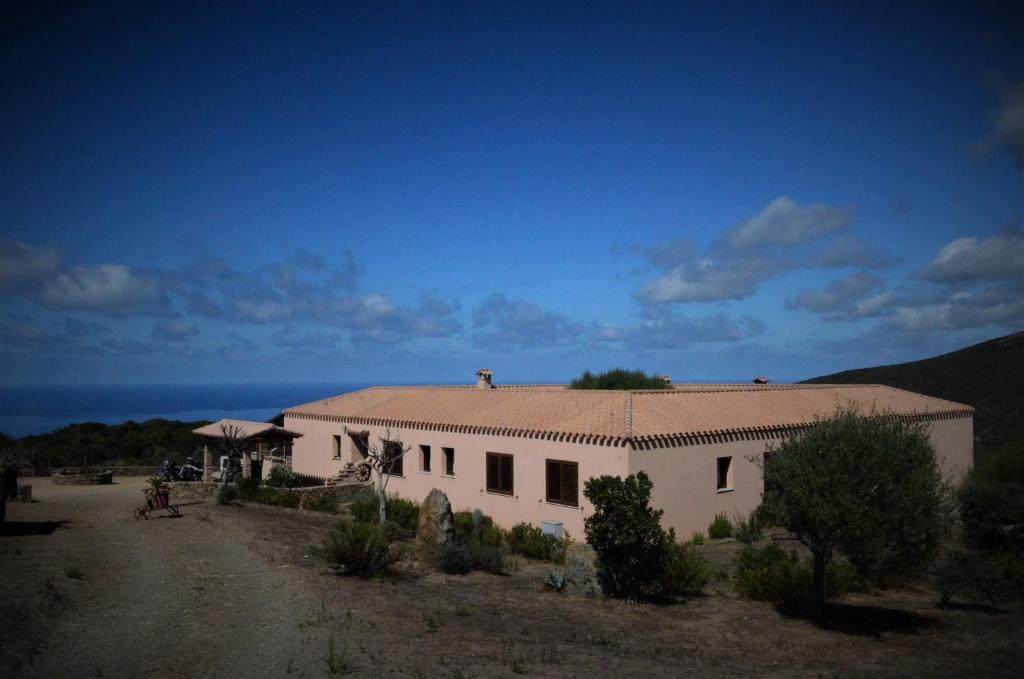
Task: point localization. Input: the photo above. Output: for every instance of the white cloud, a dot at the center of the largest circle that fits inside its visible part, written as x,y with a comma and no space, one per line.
23,266
664,329
785,223
175,330
971,259
502,322
852,297
751,252
109,288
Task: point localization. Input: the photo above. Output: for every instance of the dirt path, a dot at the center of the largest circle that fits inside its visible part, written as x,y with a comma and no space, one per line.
167,597
232,592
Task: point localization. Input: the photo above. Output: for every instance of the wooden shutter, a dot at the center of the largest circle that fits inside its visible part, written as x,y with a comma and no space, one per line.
499,473
563,482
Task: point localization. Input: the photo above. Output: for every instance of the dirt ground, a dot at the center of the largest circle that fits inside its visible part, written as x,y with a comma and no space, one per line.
88,591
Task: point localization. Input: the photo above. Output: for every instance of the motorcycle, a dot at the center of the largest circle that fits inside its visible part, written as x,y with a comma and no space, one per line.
190,472
168,471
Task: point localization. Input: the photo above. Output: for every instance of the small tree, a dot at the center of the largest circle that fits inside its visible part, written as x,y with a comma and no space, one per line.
232,442
382,458
632,549
867,486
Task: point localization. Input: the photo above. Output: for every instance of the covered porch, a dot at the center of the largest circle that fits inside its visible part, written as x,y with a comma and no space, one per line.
254,446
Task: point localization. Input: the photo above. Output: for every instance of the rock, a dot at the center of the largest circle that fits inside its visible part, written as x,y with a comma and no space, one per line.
24,493
581,570
436,529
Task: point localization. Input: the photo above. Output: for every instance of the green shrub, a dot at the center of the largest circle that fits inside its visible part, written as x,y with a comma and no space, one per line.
459,559
277,498
720,527
992,499
282,477
326,502
982,577
770,573
533,543
747,529
247,488
626,534
365,508
686,570
363,549
618,378
227,494
697,539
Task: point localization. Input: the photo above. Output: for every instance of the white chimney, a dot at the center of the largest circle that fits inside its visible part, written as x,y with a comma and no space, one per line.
483,379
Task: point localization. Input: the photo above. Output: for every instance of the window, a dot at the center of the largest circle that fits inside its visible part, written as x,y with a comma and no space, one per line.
337,447
724,473
563,482
449,461
393,458
499,473
425,459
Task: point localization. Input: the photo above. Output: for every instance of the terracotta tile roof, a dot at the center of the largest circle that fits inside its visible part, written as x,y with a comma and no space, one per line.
641,418
246,429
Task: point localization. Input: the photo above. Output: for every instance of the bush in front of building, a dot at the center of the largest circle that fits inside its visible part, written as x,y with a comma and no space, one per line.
277,498
632,548
247,489
227,494
771,573
359,548
750,528
534,543
980,577
282,477
459,559
720,528
686,570
992,499
477,528
404,514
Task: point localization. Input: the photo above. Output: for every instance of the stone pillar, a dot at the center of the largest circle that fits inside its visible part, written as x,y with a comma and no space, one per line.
246,465
208,467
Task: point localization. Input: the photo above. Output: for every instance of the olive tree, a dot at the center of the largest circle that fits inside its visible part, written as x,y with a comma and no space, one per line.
866,486
383,457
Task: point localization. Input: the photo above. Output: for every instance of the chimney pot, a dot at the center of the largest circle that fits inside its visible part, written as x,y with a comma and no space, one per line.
483,379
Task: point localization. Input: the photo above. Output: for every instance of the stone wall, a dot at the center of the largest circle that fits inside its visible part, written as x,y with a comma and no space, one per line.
73,476
193,490
344,493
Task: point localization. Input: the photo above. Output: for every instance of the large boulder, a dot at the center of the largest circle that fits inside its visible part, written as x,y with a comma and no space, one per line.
436,529
581,570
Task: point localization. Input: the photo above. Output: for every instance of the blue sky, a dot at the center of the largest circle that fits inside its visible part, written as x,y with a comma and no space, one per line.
408,192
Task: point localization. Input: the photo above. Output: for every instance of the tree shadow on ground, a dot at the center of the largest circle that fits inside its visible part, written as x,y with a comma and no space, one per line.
861,620
19,528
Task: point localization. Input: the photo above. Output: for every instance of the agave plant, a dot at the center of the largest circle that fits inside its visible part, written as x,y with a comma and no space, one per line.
155,486
556,581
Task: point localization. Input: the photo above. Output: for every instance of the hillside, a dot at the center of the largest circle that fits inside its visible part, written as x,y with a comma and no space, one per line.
988,376
91,443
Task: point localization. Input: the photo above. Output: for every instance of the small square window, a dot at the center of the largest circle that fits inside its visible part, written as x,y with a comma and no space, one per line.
724,473
425,459
449,461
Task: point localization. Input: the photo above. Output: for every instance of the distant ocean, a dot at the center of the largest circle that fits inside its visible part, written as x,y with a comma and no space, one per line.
36,410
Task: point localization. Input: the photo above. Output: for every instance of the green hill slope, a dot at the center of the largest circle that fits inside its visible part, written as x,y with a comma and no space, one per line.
988,376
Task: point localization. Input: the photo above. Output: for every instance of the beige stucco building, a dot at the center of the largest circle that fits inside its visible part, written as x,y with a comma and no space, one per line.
522,453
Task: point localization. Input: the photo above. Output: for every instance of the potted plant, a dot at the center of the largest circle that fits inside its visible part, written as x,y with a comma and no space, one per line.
156,492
